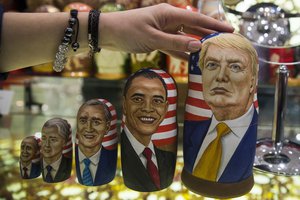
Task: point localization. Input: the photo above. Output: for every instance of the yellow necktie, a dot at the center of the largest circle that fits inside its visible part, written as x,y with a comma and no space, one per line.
208,165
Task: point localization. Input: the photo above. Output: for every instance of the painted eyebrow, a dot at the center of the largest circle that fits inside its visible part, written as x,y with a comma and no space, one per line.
159,96
137,95
97,118
210,58
230,60
234,60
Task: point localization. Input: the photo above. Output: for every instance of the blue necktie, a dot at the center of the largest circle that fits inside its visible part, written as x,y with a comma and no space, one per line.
87,176
49,178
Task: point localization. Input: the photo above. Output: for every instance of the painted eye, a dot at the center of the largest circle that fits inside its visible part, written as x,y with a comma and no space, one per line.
96,122
235,67
158,101
137,99
211,65
53,140
82,121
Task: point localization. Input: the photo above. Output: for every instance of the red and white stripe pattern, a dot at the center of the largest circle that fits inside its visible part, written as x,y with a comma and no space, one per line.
67,150
196,109
167,131
110,140
38,139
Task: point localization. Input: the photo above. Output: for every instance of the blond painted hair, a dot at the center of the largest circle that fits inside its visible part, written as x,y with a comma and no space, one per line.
231,40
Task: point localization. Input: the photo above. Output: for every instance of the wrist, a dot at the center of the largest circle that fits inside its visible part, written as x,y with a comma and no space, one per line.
108,31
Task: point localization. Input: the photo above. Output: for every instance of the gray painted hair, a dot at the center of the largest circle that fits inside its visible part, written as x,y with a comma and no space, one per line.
64,128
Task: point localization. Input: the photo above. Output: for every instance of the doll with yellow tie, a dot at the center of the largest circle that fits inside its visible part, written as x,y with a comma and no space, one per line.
220,127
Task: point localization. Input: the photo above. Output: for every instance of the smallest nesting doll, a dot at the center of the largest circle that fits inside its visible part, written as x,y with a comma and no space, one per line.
30,166
56,150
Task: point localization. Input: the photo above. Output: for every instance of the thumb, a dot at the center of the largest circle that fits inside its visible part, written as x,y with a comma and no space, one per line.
183,43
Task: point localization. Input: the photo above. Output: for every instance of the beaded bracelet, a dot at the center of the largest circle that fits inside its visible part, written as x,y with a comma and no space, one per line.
93,23
63,48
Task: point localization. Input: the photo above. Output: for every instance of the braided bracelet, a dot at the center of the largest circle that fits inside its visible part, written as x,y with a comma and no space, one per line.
93,23
63,48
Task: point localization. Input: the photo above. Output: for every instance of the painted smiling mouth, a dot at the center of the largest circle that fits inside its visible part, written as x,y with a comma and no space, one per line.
147,120
88,136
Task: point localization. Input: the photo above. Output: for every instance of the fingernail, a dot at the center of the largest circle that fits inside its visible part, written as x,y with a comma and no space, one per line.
194,46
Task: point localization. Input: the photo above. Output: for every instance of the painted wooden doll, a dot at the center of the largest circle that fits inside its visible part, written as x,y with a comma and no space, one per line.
30,165
220,127
96,143
149,134
56,150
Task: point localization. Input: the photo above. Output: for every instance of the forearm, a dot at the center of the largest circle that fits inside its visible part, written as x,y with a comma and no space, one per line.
33,38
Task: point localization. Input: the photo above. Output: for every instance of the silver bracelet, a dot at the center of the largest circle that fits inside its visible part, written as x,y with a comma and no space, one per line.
61,56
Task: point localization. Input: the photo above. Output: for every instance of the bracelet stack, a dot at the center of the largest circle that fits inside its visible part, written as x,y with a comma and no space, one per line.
60,57
70,31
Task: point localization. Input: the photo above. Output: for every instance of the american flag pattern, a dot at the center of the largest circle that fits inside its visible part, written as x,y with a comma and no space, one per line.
38,139
167,131
67,150
110,140
196,109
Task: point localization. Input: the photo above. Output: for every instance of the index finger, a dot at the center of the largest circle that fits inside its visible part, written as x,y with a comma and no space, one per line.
182,16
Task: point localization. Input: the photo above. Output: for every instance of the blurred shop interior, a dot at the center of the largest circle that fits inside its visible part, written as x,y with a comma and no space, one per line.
35,94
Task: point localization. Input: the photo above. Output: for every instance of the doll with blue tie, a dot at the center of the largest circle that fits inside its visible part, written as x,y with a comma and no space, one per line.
96,143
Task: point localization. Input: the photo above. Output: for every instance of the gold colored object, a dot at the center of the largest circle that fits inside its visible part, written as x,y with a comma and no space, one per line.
13,186
46,68
208,166
80,65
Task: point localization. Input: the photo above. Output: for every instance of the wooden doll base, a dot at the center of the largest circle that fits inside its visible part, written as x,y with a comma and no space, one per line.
215,189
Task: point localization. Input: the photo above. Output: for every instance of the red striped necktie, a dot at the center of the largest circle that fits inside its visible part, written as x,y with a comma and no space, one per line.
25,175
151,168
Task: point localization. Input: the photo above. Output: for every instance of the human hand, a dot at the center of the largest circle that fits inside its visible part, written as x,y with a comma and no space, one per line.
157,27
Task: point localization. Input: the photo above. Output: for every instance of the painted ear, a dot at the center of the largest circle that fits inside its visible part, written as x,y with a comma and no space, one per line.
166,108
253,84
107,127
123,106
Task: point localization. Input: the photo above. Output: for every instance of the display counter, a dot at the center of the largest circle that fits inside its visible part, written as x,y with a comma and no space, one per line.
63,96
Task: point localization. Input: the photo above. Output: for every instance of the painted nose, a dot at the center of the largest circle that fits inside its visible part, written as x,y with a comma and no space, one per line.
89,125
148,106
222,74
47,143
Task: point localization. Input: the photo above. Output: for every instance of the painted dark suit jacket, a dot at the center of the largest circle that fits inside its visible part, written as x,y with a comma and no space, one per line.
106,167
64,170
241,162
35,170
136,175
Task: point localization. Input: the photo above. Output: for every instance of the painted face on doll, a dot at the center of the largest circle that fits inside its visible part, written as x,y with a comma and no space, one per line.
29,149
52,143
145,105
92,125
227,79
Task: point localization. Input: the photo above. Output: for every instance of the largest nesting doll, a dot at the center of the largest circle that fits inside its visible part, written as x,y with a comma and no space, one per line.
220,126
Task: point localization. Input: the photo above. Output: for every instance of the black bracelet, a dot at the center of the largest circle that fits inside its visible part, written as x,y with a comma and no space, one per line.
93,24
63,48
75,44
